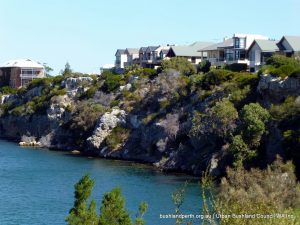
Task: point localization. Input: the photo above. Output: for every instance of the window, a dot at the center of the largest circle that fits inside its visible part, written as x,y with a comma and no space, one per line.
236,42
242,43
237,55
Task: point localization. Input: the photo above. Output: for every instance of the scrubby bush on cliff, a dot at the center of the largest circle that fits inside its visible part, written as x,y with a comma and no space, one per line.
112,81
289,109
219,120
117,136
180,64
254,118
265,192
7,90
281,66
218,77
204,66
112,212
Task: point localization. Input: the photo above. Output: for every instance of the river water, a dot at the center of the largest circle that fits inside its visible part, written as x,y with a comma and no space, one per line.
37,186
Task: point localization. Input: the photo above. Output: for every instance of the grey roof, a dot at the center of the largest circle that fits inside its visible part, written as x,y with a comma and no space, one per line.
165,51
201,44
142,49
266,45
294,42
132,50
121,51
225,44
190,50
152,48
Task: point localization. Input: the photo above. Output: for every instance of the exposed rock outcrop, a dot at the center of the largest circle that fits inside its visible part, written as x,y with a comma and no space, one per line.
104,126
275,89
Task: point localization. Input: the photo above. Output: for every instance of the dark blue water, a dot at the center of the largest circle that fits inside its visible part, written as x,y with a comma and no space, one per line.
36,186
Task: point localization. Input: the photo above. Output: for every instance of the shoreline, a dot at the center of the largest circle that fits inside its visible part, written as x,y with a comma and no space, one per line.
114,159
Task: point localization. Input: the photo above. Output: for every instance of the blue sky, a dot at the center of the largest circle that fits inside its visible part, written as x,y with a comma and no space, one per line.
87,33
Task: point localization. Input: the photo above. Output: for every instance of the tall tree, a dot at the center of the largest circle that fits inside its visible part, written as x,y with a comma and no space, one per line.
67,71
113,211
48,69
80,214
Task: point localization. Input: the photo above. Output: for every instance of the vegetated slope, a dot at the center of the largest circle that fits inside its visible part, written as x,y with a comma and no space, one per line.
176,119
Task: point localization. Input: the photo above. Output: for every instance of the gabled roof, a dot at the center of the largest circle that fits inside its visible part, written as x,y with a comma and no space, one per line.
142,49
190,50
225,44
131,51
152,48
164,51
24,63
294,42
120,51
266,45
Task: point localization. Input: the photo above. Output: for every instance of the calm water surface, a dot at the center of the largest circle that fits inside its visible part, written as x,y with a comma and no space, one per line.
36,186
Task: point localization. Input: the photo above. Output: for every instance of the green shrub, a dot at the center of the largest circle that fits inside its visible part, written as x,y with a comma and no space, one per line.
7,90
265,192
240,151
117,136
280,60
236,67
112,81
180,64
286,110
216,77
204,66
150,73
254,118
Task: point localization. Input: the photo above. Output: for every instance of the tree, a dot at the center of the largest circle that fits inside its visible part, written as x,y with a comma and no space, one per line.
113,209
67,71
179,63
139,217
80,214
204,66
240,151
48,69
254,118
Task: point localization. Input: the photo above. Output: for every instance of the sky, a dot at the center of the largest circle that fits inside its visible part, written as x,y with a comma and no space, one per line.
86,33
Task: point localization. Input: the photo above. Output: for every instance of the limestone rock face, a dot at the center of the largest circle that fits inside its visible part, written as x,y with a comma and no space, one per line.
73,83
275,90
57,108
104,126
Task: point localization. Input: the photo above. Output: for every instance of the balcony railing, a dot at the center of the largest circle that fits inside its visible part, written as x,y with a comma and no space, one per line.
29,76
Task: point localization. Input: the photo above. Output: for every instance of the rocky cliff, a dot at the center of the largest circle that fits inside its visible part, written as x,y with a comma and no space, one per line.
149,120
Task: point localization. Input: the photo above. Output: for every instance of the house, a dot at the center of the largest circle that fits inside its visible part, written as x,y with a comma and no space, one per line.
260,51
190,52
241,43
148,57
121,59
216,52
132,56
290,45
18,73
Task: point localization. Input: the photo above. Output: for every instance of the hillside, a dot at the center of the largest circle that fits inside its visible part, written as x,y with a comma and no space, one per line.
174,118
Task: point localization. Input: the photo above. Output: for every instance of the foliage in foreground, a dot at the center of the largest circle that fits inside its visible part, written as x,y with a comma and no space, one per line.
265,192
112,212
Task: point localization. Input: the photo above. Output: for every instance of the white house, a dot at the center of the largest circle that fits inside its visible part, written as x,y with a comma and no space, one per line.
121,59
132,56
241,43
260,51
